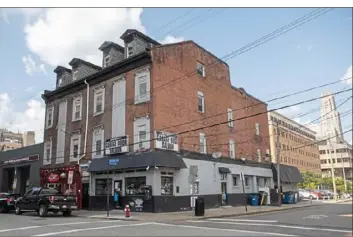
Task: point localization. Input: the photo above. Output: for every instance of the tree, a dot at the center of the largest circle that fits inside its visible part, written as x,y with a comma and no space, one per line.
310,180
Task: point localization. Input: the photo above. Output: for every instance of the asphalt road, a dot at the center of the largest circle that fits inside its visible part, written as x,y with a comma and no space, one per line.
314,221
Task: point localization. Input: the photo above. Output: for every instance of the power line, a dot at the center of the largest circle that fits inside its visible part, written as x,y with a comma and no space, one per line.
241,118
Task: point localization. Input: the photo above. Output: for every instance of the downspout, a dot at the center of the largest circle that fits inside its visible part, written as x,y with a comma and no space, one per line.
87,108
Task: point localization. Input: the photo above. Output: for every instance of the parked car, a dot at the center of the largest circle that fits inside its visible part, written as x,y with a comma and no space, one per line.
44,200
309,194
7,202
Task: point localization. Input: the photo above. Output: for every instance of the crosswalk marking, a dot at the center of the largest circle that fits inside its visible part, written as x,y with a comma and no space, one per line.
243,220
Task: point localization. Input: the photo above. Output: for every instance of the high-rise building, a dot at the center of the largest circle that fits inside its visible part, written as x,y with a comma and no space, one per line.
335,152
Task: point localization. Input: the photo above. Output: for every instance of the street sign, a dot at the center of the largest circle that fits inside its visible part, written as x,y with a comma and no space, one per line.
114,161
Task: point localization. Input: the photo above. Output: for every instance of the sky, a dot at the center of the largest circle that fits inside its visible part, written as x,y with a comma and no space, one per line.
34,41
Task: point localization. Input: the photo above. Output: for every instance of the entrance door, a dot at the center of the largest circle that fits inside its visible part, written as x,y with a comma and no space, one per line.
118,191
85,195
224,193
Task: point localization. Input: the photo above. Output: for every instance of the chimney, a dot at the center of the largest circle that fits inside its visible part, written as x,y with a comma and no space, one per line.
63,76
82,69
28,138
112,53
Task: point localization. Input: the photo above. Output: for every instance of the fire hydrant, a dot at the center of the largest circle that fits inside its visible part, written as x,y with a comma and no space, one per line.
127,211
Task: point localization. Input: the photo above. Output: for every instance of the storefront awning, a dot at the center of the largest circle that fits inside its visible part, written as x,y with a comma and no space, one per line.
156,158
288,174
224,170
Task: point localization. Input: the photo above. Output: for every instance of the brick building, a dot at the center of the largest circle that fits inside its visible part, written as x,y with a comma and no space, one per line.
143,92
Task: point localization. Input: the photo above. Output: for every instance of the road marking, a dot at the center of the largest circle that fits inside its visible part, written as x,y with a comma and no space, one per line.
243,220
93,228
315,217
59,224
281,226
219,229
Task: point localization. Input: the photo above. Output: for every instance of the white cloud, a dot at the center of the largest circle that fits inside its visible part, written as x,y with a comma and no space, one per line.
347,75
32,119
169,39
31,66
80,33
27,13
291,112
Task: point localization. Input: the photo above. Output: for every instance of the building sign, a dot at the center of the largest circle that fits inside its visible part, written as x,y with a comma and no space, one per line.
166,141
53,178
117,145
20,160
70,177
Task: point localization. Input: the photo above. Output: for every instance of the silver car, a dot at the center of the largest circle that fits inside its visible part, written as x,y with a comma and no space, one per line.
308,194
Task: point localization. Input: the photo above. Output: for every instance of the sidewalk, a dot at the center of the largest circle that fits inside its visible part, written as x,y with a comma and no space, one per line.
225,211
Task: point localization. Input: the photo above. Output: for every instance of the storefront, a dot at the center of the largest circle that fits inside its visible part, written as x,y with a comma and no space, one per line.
66,179
19,169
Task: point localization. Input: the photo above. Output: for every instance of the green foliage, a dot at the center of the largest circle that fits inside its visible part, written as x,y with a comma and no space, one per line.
312,181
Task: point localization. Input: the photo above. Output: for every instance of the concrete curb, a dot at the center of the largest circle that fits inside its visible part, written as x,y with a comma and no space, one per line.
109,218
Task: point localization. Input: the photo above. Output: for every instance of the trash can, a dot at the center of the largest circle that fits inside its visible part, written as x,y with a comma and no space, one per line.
199,206
254,200
288,198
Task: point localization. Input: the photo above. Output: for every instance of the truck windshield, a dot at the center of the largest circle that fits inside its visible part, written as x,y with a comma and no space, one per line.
49,191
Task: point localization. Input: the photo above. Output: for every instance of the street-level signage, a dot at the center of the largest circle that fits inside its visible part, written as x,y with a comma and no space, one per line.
166,141
53,178
70,177
114,161
20,160
117,145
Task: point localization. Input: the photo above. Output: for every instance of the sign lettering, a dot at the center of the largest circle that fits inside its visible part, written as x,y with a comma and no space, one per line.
117,145
20,160
166,141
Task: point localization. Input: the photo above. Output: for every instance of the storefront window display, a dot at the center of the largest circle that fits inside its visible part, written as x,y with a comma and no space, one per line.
135,185
167,185
101,186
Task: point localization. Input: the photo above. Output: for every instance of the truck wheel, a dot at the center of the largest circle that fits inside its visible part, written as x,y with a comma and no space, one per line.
18,211
43,211
66,213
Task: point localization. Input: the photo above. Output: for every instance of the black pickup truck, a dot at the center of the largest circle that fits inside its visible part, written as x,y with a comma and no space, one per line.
7,202
44,200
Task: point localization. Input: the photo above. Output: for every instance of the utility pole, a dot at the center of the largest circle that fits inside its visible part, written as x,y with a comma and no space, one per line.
278,167
332,171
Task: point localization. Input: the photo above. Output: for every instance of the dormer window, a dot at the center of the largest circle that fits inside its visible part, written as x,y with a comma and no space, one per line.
130,51
74,76
106,61
60,81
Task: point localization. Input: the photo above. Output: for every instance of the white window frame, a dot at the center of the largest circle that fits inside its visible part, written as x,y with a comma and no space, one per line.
94,142
74,101
231,149
230,117
128,51
237,178
60,81
201,72
96,93
257,129
47,161
200,96
203,145
142,124
73,138
50,111
142,76
106,61
258,152
74,75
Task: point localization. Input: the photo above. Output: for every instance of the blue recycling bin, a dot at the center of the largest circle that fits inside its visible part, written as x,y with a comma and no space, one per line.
288,198
254,200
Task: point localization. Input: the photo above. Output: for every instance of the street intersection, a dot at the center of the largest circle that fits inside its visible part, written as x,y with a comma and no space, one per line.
326,220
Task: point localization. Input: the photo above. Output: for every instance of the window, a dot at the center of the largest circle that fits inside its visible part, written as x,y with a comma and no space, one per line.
50,116
77,109
106,61
258,151
98,101
231,149
142,131
130,51
235,180
257,127
167,185
230,118
74,75
135,185
75,146
200,102
142,86
247,181
200,69
203,143
102,186
47,152
98,139
60,81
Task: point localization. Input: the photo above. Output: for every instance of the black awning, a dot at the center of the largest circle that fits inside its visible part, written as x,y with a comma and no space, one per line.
224,170
157,158
288,174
